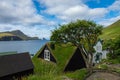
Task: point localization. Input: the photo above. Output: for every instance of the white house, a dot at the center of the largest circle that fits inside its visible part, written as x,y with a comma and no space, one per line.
99,52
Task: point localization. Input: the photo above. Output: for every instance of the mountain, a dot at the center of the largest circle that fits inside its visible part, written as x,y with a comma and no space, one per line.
15,35
22,35
111,31
8,37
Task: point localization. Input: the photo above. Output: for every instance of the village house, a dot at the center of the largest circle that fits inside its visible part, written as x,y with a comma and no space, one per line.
15,66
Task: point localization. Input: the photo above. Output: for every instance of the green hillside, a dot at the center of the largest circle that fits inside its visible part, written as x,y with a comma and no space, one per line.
22,35
111,31
5,34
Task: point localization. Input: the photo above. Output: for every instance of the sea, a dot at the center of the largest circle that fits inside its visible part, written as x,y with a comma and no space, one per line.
31,46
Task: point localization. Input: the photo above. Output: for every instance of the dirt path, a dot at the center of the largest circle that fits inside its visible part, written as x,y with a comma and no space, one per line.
103,76
117,66
65,78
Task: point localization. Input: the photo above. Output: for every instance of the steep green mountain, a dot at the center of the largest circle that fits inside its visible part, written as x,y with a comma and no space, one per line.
22,35
112,31
15,35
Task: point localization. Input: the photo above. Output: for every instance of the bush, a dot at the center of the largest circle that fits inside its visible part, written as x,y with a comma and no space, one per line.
52,45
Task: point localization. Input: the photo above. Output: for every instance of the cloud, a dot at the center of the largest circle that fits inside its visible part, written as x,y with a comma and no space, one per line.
115,6
71,10
109,21
83,12
19,12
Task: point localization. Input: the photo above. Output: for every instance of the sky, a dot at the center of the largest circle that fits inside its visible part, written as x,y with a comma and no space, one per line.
40,17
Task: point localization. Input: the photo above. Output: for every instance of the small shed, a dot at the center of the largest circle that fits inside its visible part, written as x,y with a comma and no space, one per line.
67,56
15,66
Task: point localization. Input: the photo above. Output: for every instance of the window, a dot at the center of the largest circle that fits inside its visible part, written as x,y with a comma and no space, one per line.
46,55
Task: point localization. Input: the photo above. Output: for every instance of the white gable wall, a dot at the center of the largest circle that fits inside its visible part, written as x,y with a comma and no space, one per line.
98,49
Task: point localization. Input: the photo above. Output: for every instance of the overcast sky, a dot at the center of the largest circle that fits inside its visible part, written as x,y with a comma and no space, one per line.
39,17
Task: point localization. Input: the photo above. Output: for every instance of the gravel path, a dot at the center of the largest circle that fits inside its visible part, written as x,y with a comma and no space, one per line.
103,76
117,66
65,78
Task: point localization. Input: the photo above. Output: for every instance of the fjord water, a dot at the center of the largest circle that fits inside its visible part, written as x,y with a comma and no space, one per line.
31,46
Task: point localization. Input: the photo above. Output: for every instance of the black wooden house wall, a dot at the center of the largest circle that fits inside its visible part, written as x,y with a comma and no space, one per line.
76,62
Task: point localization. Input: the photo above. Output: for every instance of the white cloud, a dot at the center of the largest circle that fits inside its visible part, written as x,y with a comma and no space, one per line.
109,21
68,10
75,12
83,12
19,12
97,12
115,6
58,6
71,10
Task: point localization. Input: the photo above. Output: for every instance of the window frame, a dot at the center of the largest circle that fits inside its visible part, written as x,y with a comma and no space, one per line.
46,55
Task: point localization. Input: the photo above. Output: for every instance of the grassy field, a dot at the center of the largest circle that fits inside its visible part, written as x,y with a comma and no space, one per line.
111,31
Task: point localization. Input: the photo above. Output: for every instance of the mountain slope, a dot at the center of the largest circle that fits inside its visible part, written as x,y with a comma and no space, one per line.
15,35
111,31
9,37
20,34
5,34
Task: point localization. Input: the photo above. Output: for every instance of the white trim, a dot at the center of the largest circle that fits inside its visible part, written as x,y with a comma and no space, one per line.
46,55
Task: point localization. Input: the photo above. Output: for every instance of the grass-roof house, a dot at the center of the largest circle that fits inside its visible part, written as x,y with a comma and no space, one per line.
68,57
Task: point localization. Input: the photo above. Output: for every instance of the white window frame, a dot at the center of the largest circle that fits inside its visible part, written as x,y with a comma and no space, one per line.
46,55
